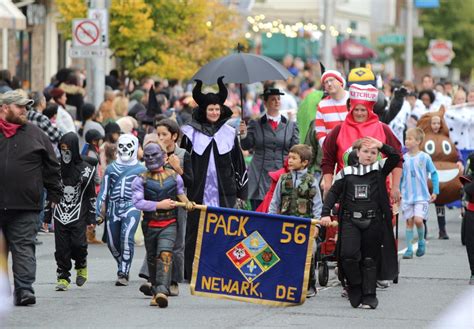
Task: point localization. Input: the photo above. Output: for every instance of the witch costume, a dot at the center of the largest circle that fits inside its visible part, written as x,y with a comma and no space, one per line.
220,175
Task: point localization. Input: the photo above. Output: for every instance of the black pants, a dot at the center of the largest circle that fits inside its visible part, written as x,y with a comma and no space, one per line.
192,226
20,229
358,244
71,244
469,233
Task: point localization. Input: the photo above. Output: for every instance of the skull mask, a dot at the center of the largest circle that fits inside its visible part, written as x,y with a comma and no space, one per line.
69,193
66,155
154,156
127,149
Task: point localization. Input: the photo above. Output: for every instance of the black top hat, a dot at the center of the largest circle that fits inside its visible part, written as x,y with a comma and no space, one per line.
271,91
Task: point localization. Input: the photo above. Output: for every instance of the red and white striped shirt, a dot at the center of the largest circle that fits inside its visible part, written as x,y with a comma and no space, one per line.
329,114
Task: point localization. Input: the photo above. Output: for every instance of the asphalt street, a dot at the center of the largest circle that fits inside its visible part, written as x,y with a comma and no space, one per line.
426,288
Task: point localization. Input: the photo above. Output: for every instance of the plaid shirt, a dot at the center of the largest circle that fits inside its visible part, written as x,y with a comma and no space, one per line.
44,124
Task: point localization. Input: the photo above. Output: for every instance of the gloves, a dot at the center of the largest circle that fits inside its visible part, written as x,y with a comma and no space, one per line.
401,92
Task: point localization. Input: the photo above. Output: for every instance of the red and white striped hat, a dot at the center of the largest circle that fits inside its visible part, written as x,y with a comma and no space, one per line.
363,94
334,74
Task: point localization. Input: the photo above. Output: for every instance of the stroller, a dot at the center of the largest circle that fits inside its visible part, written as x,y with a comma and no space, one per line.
326,251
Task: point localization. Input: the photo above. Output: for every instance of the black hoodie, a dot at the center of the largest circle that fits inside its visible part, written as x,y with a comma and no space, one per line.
77,205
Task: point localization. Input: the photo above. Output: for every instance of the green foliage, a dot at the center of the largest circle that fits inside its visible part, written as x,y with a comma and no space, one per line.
454,21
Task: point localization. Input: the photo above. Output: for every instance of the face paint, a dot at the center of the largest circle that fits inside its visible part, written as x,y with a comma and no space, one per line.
66,156
154,157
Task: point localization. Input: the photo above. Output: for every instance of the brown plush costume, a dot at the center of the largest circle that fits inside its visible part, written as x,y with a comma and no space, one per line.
444,155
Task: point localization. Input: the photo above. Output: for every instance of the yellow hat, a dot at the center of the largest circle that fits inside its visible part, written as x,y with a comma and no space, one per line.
361,76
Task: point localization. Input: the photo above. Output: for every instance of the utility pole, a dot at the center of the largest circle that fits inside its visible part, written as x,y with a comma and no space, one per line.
409,42
96,65
327,59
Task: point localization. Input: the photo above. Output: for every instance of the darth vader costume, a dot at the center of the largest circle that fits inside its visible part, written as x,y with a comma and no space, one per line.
75,210
220,175
366,245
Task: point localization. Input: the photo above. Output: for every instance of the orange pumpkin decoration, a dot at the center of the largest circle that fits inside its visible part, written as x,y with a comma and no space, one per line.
444,155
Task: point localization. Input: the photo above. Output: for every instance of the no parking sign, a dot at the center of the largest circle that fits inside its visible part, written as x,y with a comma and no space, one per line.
86,33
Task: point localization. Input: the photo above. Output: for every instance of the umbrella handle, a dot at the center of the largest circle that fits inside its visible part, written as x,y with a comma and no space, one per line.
241,102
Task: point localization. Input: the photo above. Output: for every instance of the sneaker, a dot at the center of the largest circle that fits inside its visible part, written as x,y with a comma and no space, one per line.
421,250
174,290
161,299
62,285
38,242
311,292
146,289
408,254
122,280
383,284
471,280
81,276
25,298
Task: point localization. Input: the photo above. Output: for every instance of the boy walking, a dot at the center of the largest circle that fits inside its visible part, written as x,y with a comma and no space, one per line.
297,194
155,193
73,214
414,186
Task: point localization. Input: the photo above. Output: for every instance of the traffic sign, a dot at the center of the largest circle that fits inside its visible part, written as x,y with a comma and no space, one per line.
440,52
87,52
85,33
102,16
391,39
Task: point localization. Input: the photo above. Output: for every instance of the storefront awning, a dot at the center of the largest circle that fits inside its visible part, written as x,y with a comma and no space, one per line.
11,17
352,50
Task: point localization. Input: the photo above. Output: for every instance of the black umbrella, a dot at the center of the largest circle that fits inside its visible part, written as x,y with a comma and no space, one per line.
242,68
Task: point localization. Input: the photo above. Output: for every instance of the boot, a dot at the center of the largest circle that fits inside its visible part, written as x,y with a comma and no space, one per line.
161,299
91,239
351,270
369,284
441,223
145,288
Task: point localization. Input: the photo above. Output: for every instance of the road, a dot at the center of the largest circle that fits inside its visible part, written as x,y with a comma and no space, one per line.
427,286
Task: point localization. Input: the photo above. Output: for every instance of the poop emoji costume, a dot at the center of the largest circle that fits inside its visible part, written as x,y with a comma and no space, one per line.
444,154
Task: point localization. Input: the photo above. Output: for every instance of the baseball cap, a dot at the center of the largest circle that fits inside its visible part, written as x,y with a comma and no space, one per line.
15,97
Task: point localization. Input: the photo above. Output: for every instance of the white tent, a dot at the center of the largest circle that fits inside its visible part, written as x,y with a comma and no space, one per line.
10,18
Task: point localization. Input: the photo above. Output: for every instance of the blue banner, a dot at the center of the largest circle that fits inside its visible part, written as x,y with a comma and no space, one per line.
252,257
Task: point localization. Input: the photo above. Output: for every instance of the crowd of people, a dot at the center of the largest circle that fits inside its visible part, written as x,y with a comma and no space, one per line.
291,148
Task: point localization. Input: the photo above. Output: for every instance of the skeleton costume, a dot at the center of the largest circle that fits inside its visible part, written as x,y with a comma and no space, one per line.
115,204
159,225
364,226
75,210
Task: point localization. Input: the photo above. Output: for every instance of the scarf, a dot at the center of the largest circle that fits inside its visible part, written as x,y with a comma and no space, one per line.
8,129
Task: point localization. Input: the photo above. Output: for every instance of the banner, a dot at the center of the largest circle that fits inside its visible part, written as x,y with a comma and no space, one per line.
252,257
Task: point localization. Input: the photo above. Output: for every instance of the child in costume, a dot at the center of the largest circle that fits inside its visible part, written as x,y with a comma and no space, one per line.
415,194
365,221
115,205
73,214
155,192
297,194
179,160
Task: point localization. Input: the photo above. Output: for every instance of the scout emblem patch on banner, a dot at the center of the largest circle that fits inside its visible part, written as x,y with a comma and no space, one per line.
252,257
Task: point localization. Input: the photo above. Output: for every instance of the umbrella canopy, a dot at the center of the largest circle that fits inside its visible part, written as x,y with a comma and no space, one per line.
242,68
352,50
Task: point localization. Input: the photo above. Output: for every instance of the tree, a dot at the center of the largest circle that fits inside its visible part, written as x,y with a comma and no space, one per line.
168,38
453,20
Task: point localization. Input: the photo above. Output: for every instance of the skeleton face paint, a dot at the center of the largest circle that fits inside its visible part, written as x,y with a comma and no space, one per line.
127,149
154,156
66,156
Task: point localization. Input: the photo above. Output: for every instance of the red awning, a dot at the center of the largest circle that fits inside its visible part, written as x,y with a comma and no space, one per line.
352,50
